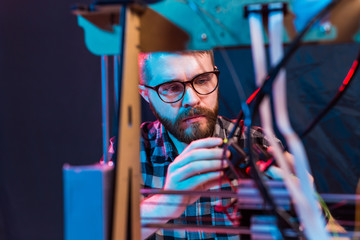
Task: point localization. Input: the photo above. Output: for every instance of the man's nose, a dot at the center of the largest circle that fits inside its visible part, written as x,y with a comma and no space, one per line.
191,98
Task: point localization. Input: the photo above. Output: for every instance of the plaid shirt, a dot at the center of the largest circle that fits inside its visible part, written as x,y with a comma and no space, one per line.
158,152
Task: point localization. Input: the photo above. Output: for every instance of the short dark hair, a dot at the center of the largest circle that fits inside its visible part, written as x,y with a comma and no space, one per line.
143,59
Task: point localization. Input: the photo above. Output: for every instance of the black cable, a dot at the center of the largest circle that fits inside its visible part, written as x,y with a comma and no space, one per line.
267,84
295,44
263,189
256,173
265,89
345,85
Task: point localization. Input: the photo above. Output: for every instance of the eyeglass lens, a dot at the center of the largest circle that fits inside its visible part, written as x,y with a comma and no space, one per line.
202,84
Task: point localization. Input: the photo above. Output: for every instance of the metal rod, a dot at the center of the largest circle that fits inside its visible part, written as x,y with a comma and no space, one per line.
204,228
116,83
105,106
234,230
333,198
329,198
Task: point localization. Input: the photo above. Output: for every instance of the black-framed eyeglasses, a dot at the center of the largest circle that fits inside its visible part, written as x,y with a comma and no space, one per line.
203,84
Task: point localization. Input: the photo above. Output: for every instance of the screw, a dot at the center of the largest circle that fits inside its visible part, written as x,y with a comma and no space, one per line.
326,27
204,37
218,9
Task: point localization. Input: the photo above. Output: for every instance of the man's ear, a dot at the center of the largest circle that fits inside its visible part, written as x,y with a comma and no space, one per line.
144,92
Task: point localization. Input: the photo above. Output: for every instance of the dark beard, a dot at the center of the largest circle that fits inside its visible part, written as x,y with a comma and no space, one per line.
196,132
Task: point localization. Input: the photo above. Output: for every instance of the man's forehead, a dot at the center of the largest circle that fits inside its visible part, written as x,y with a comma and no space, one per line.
168,66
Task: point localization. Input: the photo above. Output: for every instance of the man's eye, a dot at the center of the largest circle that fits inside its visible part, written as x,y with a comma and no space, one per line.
171,88
202,80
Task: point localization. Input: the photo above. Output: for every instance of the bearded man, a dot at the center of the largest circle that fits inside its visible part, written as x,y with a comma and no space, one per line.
180,151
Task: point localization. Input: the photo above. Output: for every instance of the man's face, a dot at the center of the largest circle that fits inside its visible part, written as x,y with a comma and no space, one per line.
194,116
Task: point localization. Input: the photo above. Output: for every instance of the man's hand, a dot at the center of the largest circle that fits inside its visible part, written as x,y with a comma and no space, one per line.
196,168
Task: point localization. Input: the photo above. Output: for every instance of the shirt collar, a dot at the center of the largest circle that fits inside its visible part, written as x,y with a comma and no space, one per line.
163,143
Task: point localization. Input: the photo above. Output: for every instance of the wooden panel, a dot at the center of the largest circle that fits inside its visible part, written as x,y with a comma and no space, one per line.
127,184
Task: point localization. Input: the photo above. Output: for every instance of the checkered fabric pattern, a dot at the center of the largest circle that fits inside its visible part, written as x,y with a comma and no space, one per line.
160,152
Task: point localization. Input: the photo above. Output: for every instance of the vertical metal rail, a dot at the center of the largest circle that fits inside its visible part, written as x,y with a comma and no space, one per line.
116,82
105,106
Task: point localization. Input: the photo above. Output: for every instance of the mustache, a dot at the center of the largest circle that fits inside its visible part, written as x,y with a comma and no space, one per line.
194,111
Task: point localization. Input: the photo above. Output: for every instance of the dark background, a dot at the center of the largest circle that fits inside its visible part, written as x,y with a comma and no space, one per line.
51,112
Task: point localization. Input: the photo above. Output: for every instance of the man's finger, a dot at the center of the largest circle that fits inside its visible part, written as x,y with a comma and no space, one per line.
204,143
200,154
200,180
199,168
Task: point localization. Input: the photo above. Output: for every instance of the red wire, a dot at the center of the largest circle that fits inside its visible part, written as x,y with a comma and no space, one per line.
349,75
